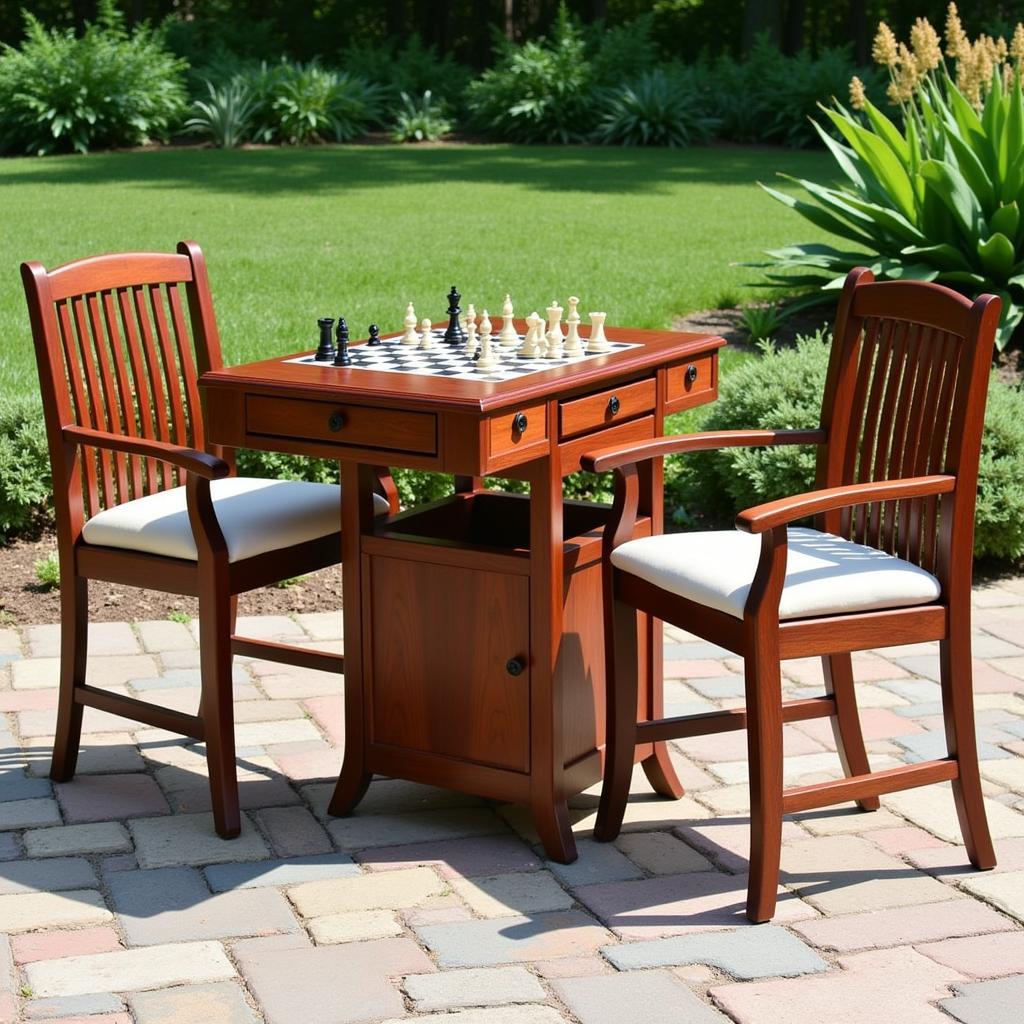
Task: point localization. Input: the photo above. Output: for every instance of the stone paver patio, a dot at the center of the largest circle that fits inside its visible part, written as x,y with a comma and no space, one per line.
118,904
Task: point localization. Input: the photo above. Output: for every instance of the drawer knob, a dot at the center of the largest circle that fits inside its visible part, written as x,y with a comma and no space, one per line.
514,667
691,373
614,405
520,422
335,422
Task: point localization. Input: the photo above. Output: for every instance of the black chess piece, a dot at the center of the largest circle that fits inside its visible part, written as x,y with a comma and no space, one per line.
454,334
325,352
341,333
374,332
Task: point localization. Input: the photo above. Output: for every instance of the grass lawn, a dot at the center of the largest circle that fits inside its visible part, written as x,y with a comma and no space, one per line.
292,234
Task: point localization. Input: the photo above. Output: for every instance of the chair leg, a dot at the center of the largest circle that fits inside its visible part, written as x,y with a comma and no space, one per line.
764,752
958,712
74,646
846,722
621,684
217,710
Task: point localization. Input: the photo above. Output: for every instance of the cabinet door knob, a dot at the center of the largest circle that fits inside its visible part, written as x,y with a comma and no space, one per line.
335,422
614,405
520,422
514,667
691,373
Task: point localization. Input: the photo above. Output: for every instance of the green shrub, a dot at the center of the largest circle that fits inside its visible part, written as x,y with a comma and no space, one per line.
657,109
622,52
783,389
420,120
226,115
47,571
539,92
107,87
25,485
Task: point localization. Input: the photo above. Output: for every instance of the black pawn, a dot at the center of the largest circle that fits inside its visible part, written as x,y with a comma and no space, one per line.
325,352
454,334
342,358
374,338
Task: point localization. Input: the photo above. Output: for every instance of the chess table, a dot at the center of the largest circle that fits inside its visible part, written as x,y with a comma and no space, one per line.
473,627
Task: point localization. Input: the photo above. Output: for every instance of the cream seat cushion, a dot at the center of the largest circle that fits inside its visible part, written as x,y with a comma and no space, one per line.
825,575
255,516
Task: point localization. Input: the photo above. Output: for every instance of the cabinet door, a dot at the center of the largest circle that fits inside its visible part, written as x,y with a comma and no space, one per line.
441,640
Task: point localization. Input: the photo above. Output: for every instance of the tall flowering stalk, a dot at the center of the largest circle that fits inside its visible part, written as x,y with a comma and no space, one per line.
937,193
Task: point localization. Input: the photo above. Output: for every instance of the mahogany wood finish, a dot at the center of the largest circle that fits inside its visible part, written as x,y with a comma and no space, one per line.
474,651
118,359
898,450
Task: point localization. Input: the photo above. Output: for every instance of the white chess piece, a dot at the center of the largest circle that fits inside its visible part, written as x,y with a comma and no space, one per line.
598,342
486,362
470,324
410,337
553,339
529,347
554,312
426,338
573,345
508,336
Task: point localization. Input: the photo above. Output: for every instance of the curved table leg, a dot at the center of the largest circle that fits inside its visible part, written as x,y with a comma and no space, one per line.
661,773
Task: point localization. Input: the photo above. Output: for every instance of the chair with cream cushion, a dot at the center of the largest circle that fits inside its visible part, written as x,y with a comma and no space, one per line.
140,499
888,562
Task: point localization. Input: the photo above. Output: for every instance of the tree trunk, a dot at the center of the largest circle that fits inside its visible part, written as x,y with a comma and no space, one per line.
859,30
793,27
761,16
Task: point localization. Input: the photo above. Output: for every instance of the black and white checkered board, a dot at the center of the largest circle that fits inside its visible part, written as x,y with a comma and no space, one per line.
444,360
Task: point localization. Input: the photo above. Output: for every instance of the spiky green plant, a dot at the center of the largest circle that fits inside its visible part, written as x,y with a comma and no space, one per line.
226,115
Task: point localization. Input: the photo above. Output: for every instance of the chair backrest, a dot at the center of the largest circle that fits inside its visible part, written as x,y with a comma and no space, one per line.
904,397
117,352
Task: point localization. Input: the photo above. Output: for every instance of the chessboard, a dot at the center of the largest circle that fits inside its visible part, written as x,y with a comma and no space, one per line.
446,360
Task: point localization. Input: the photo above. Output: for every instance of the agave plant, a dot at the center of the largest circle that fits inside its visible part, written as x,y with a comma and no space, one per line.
226,115
420,120
936,199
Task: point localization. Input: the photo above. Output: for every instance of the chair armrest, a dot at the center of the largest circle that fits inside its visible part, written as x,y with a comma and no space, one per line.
210,467
778,513
602,459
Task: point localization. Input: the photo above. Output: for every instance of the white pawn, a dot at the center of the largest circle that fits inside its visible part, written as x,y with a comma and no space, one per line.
426,338
410,337
530,346
470,325
486,362
573,345
508,336
598,342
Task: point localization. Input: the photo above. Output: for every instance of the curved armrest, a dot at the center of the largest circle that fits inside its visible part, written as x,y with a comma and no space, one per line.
210,467
612,458
778,513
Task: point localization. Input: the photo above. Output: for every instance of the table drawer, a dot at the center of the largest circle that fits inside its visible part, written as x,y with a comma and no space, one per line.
514,431
592,412
353,426
692,382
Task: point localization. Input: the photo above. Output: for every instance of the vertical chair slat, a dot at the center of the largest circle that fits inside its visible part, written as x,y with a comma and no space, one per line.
865,364
937,456
175,406
129,416
83,414
868,433
155,378
186,361
111,401
143,397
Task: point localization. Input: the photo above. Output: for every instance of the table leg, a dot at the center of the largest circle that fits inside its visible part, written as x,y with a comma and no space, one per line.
358,484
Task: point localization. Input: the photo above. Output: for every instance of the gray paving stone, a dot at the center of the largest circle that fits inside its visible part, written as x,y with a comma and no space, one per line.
184,839
930,746
525,892
483,986
744,953
526,1014
719,687
174,905
987,1002
219,1003
917,691
506,940
10,848
597,862
6,965
655,997
96,837
222,877
71,1006
360,832
28,813
47,875
16,785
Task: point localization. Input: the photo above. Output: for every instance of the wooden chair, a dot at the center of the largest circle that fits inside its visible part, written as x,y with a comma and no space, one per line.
140,501
890,563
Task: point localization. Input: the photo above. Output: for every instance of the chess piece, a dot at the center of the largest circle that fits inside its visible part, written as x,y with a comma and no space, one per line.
426,335
410,337
374,332
529,346
470,330
553,343
454,334
554,312
325,351
507,336
486,362
598,342
573,345
342,357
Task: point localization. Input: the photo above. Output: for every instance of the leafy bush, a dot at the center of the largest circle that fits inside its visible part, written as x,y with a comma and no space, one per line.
624,51
420,120
783,389
938,199
47,571
539,92
226,116
655,110
25,485
107,87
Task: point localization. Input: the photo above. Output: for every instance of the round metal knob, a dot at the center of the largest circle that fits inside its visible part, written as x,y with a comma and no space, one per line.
335,422
514,667
519,422
691,373
614,405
